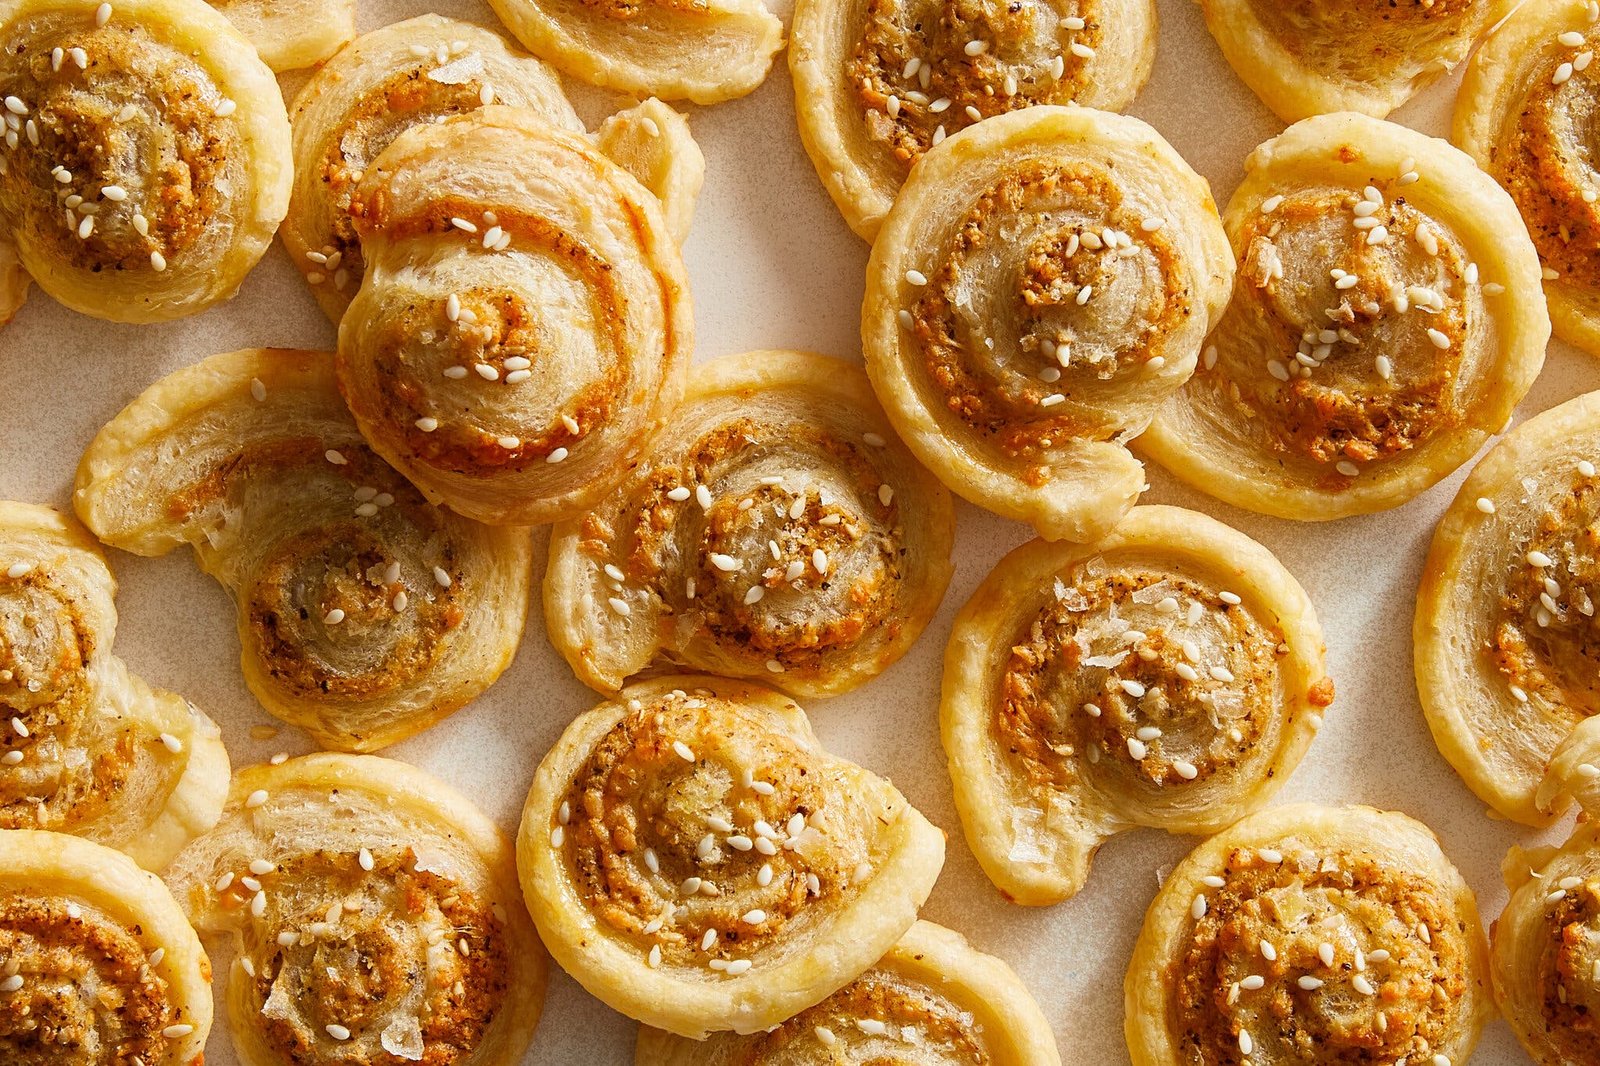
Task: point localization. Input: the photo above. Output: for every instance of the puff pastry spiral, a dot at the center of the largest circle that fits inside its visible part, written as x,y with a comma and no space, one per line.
1041,285
88,747
145,163
776,531
292,33
1314,935
365,613
374,915
695,859
1168,675
1386,321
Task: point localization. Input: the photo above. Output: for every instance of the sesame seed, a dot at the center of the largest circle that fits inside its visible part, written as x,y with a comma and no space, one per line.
1539,559
338,1032
258,904
1198,908
1384,367
683,751
1309,983
1186,770
171,743
754,594
11,758
1439,340
739,966
702,496
158,262
754,917
1052,399
172,1032
364,860
1278,370
1253,982
102,14
1586,468
508,442
1081,50
1325,953
1360,983
1058,67
1347,468
1485,505
80,57
819,560
974,48
725,563
1271,204
560,454
916,277
1563,74
1084,294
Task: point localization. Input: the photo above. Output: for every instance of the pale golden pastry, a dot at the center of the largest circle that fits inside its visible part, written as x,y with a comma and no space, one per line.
406,74
1310,935
524,328
14,282
696,860
933,1000
1310,57
1505,629
97,965
879,82
88,748
652,142
1041,285
700,50
374,918
145,165
1386,321
777,530
1169,675
290,34
1526,114
365,613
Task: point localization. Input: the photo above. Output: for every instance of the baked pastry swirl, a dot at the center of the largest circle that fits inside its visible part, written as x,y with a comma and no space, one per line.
365,613
406,74
879,82
1526,114
777,530
292,33
1505,628
145,160
524,327
97,964
1168,675
374,916
1041,285
1308,57
1309,934
705,51
695,860
1386,321
88,747
652,142
933,1000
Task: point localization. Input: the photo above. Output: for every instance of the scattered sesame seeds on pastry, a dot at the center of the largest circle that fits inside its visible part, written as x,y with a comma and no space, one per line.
776,531
290,34
1042,283
365,614
696,860
1386,321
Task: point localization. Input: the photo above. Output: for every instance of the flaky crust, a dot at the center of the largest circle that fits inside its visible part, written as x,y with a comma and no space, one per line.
1387,319
933,1000
99,964
366,614
1526,114
1168,675
290,34
695,860
1309,934
1041,285
777,531
652,142
101,227
374,917
879,82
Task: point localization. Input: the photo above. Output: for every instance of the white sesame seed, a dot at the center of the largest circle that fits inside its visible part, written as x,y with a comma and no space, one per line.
1485,505
1347,468
364,860
226,107
1439,340
560,454
1539,559
508,442
1384,367
1186,770
1562,75
739,966
171,743
754,594
463,224
916,277
1309,983
1325,953
679,494
1246,1045
102,14
158,262
1198,908
80,57
258,904
338,1032
683,751
1081,50
725,563
172,1032
1585,468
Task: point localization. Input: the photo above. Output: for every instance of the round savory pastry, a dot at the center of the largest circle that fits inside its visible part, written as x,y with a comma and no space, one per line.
145,163
933,1000
290,34
1507,643
1310,935
374,917
1169,675
705,51
97,964
1526,114
1386,321
406,74
1310,57
88,748
696,860
524,327
777,530
652,142
879,82
1042,284
366,614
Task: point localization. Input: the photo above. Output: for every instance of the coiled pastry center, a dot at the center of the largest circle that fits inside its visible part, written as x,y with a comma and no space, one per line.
881,1017
1566,971
76,989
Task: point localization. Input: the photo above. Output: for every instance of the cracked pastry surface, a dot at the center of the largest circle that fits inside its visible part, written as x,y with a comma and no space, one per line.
365,614
524,327
374,915
290,34
1386,321
1041,285
879,82
1310,934
777,530
145,162
697,861
1169,675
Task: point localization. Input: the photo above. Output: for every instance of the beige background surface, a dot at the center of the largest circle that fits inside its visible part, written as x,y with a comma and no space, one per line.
773,265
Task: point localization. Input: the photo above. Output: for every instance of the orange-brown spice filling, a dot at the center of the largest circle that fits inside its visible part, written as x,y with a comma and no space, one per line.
1566,974
1349,39
940,1024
